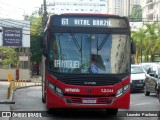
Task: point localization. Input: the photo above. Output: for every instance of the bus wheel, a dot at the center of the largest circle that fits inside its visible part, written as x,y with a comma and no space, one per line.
43,95
112,111
43,100
145,91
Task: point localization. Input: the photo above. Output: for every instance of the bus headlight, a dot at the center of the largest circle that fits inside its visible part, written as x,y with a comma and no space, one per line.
125,88
51,86
59,91
119,92
55,89
122,90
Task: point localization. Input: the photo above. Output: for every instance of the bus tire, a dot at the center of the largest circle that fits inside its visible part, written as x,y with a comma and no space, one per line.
43,100
43,92
111,111
43,95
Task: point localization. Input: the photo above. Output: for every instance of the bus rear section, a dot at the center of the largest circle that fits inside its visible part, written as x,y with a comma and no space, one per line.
87,62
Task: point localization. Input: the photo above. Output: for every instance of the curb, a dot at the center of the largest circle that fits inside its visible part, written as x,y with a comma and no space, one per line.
11,95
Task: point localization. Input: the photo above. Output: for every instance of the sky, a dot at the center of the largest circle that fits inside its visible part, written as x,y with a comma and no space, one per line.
15,9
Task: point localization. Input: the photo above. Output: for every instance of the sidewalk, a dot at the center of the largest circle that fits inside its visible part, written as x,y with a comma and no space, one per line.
4,102
3,98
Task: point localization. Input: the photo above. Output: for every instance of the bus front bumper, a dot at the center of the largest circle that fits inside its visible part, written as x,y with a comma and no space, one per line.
55,101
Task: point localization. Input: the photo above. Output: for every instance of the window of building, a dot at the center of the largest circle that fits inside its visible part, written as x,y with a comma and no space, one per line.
102,4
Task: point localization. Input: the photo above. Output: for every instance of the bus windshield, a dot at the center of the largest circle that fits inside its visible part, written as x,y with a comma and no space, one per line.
89,53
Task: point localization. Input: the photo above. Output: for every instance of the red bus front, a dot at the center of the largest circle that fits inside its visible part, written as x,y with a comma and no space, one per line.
61,95
87,62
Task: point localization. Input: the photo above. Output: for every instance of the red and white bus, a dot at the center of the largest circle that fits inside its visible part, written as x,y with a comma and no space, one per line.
87,62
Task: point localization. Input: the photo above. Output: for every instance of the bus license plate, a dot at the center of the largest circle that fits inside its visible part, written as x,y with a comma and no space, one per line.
89,100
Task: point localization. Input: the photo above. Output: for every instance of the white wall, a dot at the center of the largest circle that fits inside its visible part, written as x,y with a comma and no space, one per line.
24,74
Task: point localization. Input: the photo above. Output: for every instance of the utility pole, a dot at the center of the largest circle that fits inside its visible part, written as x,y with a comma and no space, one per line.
44,19
129,9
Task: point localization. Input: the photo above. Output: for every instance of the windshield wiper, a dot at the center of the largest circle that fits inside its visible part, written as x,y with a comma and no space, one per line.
104,40
76,42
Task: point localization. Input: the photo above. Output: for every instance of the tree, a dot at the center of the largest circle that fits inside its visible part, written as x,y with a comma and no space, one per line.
138,37
36,37
152,39
148,40
9,57
136,14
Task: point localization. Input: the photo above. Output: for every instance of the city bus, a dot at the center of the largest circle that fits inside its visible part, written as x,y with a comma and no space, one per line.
86,63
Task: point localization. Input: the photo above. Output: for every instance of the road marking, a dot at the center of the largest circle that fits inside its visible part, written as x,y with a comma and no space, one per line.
141,104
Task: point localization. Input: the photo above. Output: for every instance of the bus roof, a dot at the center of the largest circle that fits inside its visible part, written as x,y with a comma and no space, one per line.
86,14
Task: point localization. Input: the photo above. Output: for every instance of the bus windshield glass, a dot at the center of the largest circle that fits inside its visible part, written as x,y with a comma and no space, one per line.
89,53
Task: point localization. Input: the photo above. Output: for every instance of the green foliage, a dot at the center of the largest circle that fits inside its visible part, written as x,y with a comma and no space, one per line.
36,50
136,14
36,38
9,57
147,39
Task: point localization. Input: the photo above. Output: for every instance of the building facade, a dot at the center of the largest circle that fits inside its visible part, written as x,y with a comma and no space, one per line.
76,6
117,7
151,10
121,7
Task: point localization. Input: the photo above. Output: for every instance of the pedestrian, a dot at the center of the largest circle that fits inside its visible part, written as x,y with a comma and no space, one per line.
37,69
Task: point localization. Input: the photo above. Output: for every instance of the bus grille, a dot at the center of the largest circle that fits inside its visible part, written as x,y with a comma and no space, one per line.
101,100
90,81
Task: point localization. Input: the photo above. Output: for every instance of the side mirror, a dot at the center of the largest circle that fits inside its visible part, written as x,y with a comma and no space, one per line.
133,48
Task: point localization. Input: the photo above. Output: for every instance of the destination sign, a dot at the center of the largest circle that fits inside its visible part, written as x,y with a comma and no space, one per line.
84,22
89,22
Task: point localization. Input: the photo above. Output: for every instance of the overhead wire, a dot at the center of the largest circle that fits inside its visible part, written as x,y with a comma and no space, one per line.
10,5
15,21
15,24
19,23
6,25
10,11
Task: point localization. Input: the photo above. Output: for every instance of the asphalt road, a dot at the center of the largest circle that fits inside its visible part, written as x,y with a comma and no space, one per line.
29,99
